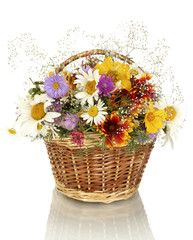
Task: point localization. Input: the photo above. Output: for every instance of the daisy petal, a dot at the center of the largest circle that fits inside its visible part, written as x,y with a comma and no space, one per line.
51,115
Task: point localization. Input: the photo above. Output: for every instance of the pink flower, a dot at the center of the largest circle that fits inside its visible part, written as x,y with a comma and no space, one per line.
77,137
69,122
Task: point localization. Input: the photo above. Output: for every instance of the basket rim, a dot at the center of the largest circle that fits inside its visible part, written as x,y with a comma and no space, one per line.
92,140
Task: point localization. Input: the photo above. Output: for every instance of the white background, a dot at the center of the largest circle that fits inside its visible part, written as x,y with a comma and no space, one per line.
26,182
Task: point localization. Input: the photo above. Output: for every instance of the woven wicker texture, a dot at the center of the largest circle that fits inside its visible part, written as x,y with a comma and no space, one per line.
71,219
95,175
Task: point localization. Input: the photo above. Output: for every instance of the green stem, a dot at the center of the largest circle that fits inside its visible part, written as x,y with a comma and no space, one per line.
31,80
88,129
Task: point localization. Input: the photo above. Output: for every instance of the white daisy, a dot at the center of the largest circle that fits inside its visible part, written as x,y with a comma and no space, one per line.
174,119
88,81
95,113
33,115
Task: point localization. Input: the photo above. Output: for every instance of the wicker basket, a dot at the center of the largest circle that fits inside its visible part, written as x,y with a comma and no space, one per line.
93,175
96,175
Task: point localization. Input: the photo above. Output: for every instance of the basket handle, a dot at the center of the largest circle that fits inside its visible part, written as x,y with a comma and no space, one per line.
92,52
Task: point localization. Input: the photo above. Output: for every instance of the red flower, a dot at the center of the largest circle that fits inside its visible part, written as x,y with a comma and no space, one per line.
115,130
123,98
142,90
77,137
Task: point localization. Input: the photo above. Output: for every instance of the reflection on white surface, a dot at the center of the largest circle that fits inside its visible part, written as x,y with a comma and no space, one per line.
70,219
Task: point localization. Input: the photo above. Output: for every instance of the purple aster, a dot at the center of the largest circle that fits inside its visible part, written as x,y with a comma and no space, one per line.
105,85
70,121
55,86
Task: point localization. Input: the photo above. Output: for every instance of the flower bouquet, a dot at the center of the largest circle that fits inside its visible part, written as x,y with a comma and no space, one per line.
99,122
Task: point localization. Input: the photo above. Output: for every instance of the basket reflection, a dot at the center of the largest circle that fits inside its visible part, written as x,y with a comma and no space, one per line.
71,219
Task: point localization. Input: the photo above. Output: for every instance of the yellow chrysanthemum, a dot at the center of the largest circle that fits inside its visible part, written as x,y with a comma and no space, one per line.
118,71
154,119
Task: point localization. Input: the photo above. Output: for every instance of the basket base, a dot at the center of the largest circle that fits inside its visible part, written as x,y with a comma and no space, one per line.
96,196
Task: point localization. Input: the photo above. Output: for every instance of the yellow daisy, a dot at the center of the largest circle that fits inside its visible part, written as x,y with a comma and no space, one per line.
116,70
154,119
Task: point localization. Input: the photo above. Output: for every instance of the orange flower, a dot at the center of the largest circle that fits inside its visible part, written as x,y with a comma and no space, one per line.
145,76
70,79
115,130
123,98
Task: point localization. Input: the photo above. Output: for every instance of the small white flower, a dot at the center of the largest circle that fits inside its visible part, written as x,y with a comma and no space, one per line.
95,113
65,72
135,70
88,91
118,85
51,70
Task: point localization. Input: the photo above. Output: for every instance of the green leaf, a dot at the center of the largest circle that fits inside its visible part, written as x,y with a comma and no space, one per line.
32,91
38,82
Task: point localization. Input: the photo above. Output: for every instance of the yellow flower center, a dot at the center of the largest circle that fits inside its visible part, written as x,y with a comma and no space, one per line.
133,72
56,85
39,126
171,113
12,131
150,117
93,111
37,111
64,73
90,87
51,73
111,127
